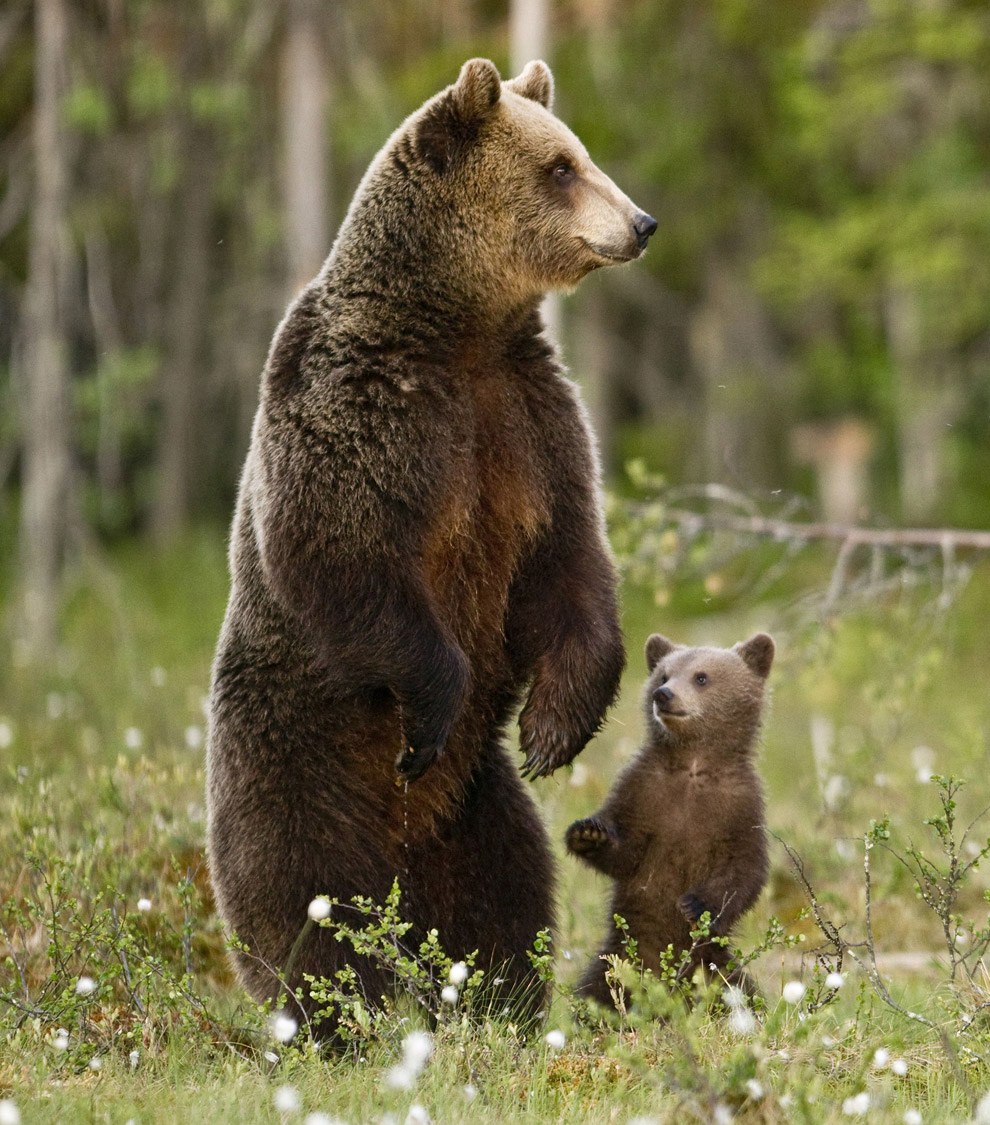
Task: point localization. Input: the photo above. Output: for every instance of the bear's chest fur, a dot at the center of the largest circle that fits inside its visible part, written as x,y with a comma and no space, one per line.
495,504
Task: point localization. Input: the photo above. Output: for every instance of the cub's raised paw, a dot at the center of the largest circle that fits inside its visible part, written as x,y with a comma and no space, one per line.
587,835
692,907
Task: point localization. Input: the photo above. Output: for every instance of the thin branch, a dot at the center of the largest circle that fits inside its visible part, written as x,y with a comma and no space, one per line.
947,540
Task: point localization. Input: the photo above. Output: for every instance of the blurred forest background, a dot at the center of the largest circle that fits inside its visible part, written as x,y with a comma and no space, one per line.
813,316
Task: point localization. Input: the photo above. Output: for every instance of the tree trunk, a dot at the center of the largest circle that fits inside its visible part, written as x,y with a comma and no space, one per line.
925,407
47,492
181,376
305,155
529,39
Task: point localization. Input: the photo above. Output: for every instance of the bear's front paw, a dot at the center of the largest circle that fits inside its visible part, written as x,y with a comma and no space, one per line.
692,908
415,761
546,744
587,835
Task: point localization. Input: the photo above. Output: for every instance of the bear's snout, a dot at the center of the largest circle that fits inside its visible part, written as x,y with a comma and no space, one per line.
644,225
662,696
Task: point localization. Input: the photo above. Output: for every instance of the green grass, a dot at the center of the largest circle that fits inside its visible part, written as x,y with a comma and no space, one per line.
101,804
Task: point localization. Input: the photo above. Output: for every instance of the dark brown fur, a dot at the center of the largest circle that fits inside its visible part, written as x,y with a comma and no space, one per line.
682,832
418,539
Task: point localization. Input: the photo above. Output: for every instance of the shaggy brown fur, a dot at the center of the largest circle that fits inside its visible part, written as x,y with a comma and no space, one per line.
681,832
418,538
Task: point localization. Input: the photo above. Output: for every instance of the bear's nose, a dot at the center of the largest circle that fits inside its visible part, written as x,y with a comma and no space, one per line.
663,695
644,225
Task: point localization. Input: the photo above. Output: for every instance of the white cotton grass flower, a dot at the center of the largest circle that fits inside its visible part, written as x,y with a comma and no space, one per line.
881,1058
61,1040
449,994
742,1021
857,1106
834,981
912,1117
193,736
134,1058
458,973
417,1115
283,1027
982,1114
144,905
9,1113
6,735
85,986
899,1067
754,1089
319,1118
470,1092
96,1063
793,992
400,1077
416,1049
133,738
286,1099
319,908
555,1039
722,1114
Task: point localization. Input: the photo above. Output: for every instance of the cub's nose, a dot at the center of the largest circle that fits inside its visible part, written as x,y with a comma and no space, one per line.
663,694
644,225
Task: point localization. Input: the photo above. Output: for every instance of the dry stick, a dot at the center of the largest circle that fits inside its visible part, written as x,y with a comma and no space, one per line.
873,973
948,540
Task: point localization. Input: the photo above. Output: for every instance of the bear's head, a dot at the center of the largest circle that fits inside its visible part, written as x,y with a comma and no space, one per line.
503,191
710,694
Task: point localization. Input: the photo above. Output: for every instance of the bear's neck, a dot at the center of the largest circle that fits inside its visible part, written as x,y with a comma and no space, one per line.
398,278
723,751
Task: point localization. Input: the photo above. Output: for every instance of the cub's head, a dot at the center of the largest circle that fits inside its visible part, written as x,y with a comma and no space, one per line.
707,693
527,205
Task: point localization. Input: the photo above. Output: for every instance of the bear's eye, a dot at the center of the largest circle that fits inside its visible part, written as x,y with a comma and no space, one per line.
701,678
563,173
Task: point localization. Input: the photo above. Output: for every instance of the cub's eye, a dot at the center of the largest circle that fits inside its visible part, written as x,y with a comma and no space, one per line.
701,678
563,173
663,680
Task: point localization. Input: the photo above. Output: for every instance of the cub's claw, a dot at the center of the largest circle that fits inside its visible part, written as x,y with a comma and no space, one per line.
586,835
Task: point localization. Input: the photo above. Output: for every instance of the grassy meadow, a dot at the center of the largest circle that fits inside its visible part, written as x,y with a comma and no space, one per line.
116,1002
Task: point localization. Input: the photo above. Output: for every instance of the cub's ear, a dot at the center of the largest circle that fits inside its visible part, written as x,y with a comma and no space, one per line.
657,648
757,653
449,124
535,83
477,90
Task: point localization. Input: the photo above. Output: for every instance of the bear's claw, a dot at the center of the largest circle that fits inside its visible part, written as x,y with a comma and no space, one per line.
411,765
585,835
692,907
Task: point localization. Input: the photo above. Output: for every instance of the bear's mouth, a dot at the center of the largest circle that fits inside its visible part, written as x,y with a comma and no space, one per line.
610,257
660,714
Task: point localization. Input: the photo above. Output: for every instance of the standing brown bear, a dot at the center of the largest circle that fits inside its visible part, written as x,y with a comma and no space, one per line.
682,831
418,545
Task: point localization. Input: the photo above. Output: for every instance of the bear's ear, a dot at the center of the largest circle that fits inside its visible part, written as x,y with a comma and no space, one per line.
477,90
657,648
450,123
757,653
535,83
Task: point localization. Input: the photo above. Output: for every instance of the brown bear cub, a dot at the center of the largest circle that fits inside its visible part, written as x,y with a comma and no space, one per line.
681,832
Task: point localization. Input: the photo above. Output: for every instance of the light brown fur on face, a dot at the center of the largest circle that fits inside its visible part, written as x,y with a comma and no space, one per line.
681,832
